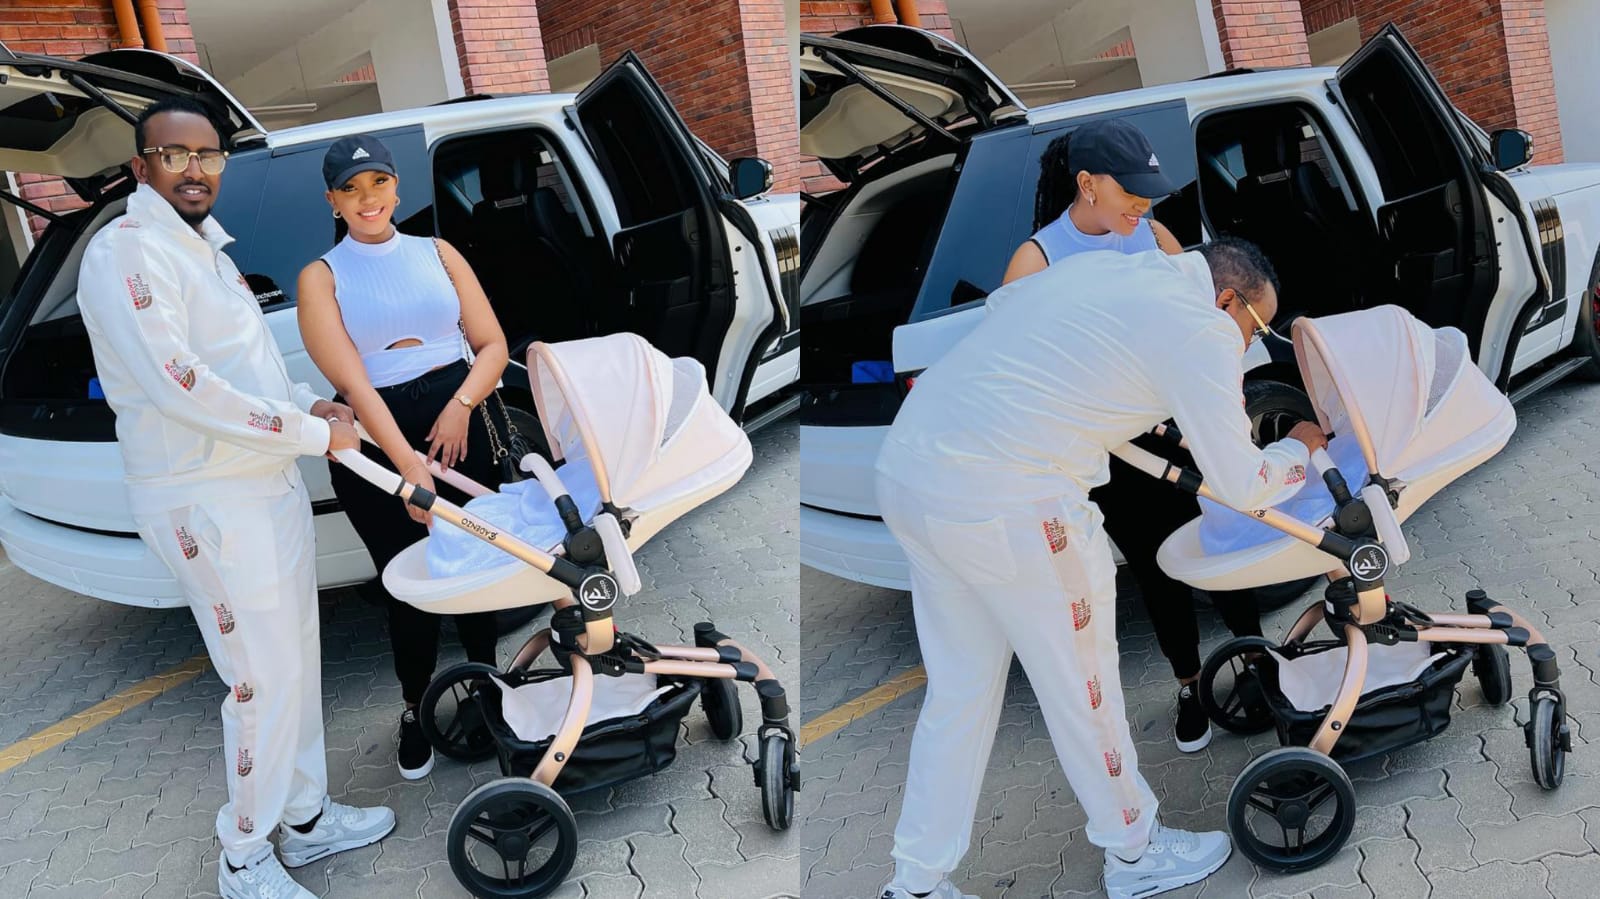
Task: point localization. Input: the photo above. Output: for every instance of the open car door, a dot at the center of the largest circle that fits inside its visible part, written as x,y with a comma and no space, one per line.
1433,219
674,265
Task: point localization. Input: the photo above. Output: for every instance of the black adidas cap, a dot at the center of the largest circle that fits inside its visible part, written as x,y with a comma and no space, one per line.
350,156
1114,147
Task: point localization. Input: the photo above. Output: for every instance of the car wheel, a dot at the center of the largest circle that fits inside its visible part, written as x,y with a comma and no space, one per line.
1587,341
1274,408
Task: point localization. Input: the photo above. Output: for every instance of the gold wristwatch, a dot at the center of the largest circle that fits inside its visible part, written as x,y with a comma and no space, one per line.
464,400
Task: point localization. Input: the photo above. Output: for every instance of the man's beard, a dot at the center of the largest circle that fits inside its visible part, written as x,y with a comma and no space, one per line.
193,219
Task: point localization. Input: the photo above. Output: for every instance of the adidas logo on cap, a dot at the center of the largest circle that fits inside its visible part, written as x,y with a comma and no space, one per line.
361,153
1154,162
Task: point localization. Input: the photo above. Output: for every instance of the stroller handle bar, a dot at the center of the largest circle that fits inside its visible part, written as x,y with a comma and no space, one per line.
1334,544
562,570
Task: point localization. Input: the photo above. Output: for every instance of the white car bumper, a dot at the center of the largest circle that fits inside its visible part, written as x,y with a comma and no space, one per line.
118,569
856,549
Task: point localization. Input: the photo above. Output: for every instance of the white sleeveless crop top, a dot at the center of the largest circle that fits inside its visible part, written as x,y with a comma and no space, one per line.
393,291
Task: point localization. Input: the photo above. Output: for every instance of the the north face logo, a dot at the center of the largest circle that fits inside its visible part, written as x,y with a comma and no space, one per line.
1296,475
1130,815
246,764
1114,763
1055,533
1080,614
1094,692
261,421
248,826
243,692
187,543
139,292
183,374
360,153
224,618
1262,474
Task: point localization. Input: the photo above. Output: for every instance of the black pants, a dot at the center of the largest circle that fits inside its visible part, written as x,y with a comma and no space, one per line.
1141,512
384,526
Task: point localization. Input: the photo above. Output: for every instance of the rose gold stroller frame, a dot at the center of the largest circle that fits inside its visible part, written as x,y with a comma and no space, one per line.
718,656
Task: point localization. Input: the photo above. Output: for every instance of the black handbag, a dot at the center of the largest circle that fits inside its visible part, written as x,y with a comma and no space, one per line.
509,453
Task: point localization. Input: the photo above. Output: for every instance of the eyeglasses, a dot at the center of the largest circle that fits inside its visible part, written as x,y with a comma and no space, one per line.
1261,332
176,159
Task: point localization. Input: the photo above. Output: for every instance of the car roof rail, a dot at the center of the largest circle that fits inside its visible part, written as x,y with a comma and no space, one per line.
472,98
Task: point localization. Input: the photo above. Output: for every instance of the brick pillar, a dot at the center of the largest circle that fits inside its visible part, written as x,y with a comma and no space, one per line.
1491,56
724,64
1256,34
72,29
499,46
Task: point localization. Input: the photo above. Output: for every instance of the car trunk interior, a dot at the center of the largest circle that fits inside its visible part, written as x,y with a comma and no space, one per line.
1266,175
862,279
45,382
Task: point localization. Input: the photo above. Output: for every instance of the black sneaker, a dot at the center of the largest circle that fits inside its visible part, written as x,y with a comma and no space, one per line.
1193,731
416,756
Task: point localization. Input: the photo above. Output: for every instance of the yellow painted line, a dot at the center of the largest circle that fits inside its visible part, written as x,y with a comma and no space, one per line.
100,713
831,721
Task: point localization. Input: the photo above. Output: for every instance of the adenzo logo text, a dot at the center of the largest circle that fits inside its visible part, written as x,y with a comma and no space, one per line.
479,529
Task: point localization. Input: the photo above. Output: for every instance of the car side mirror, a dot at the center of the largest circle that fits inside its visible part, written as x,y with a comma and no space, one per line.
750,176
1513,148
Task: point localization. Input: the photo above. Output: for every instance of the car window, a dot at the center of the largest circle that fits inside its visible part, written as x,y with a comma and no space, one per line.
294,224
992,210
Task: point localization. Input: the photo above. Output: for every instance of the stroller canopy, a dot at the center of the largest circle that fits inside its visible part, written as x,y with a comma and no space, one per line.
645,422
1412,388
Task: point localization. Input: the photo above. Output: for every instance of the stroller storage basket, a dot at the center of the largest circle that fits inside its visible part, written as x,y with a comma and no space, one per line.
610,752
1385,719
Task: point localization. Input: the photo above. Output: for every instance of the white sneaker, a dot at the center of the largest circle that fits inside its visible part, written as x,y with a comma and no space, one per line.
264,879
340,828
945,890
1174,858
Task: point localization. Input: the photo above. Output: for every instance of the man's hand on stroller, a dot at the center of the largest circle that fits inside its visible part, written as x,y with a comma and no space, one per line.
1309,433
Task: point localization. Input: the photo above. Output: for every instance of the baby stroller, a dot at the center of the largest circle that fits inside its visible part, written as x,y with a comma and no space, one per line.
1423,415
647,433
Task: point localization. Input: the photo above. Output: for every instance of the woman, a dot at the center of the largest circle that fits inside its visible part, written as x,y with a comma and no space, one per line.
1093,194
387,318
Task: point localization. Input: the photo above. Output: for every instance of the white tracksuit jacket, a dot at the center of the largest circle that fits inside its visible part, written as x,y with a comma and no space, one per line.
210,426
984,480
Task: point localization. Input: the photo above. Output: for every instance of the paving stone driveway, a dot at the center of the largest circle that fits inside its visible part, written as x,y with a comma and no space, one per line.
1457,816
127,810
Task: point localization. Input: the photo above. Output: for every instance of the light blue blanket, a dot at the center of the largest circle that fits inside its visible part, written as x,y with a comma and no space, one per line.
1223,530
522,509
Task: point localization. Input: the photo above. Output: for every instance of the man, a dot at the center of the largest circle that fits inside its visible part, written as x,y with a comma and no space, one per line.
984,480
210,427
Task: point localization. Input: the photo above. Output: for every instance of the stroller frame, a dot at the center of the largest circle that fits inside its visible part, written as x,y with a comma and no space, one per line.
585,642
1291,783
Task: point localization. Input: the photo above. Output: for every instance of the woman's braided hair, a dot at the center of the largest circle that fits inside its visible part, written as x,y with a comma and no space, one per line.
1058,184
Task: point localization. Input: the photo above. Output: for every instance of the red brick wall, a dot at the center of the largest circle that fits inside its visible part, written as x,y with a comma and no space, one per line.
834,16
1322,14
499,47
724,64
1491,56
74,28
1261,34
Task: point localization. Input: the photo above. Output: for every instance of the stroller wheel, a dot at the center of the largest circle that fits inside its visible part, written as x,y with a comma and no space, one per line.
512,838
1493,670
1229,690
450,719
1291,809
777,783
720,699
1548,739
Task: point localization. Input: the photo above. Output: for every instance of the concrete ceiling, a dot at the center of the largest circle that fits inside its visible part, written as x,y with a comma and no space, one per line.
988,26
237,35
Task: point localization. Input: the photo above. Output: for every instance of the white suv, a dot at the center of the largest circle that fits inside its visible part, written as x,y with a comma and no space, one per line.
581,215
1363,184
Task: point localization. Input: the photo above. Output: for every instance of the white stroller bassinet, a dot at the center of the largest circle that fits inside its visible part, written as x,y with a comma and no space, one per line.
1431,415
656,442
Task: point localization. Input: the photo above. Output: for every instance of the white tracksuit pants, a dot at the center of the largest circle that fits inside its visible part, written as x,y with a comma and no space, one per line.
248,570
1036,579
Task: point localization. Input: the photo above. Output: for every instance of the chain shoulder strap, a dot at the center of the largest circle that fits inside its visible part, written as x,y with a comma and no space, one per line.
495,446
